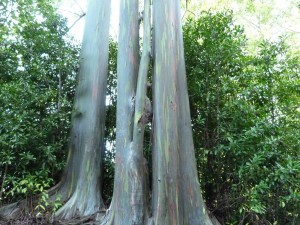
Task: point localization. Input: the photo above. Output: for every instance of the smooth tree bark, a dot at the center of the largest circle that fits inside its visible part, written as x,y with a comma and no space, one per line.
80,186
87,134
130,197
176,194
176,191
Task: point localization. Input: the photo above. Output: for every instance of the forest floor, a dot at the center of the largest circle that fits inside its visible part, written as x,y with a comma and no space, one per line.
47,221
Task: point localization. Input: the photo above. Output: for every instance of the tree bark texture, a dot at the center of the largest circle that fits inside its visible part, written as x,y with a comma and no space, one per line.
130,198
88,121
176,194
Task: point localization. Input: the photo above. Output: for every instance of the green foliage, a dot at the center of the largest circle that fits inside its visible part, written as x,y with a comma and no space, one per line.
46,207
37,77
110,125
245,115
29,184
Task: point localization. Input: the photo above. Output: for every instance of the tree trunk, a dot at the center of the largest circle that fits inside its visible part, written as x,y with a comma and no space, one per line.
133,111
176,195
83,172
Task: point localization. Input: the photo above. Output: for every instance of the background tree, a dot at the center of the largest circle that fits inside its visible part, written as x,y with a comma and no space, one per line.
241,106
262,20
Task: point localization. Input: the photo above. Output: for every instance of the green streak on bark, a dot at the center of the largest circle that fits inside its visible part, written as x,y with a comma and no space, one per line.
69,155
175,174
71,186
88,120
128,56
140,119
87,167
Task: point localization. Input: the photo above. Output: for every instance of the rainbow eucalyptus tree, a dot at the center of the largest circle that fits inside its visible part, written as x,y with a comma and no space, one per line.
130,198
176,195
80,186
176,192
83,172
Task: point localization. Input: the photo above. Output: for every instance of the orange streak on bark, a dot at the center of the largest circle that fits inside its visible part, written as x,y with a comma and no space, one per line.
191,192
95,91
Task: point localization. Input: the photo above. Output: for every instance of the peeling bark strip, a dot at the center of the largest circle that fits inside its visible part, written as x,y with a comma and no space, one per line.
176,191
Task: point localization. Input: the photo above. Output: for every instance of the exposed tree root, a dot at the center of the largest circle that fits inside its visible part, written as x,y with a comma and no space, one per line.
107,219
12,211
91,219
26,206
80,205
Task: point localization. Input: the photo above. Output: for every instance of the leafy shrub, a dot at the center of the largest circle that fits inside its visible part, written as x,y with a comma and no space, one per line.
245,115
38,64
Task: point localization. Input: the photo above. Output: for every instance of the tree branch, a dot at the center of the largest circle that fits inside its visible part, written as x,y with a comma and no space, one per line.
142,103
81,16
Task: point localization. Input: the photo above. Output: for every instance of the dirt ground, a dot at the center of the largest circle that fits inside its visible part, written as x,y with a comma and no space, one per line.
47,221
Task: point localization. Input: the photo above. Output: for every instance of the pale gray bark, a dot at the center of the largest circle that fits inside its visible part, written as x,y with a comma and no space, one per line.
130,199
87,135
177,197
